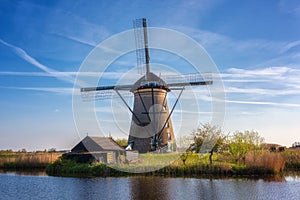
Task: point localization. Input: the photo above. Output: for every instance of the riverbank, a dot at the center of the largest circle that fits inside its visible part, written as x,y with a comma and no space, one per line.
190,165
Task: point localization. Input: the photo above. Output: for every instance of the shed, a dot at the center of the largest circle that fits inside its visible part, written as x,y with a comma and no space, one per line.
274,147
97,149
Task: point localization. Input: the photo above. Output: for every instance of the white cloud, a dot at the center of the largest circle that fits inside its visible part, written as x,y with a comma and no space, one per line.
211,40
289,46
25,56
263,103
39,74
270,71
260,91
77,39
60,74
254,51
77,28
57,90
269,81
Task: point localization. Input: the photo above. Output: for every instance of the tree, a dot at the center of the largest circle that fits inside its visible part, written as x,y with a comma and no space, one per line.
296,144
51,150
207,138
183,145
122,142
240,143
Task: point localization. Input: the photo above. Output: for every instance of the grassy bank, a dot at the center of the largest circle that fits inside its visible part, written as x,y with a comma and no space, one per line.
10,160
255,164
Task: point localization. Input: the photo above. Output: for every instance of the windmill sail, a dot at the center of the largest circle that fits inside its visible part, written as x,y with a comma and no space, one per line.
139,43
99,95
187,79
142,50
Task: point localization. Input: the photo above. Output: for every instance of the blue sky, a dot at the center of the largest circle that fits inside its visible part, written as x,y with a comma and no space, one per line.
254,44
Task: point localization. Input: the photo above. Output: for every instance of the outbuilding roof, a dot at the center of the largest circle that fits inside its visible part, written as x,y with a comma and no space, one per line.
96,144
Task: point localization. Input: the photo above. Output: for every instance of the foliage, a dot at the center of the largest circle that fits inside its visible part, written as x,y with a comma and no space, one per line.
68,167
296,144
240,143
184,157
122,142
194,166
292,159
184,143
207,138
184,146
245,145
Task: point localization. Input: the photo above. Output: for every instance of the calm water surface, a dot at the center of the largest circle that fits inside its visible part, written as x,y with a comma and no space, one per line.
16,186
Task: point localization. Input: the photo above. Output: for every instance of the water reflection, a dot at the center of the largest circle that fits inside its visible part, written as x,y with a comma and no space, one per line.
191,188
25,173
99,188
14,186
293,176
287,176
150,188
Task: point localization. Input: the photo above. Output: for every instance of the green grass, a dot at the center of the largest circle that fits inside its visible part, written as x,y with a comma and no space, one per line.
70,168
164,165
255,164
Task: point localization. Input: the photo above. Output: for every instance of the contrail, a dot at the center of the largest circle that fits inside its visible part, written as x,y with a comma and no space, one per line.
25,56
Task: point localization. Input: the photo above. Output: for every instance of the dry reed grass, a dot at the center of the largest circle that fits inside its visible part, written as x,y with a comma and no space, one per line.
265,160
28,159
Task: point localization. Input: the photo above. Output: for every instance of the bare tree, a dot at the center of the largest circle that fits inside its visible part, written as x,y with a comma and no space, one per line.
207,138
184,144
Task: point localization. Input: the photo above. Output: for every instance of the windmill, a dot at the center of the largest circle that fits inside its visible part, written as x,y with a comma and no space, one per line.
151,127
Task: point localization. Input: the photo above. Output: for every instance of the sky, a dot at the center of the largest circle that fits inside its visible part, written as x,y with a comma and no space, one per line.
254,44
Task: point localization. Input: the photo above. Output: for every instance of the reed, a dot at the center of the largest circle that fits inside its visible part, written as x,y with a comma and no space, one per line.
292,159
264,162
257,163
195,166
21,160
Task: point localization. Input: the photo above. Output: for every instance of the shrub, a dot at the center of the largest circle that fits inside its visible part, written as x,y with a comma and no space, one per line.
265,161
292,158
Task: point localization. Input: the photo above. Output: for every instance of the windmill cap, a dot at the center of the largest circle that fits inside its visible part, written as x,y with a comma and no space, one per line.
152,80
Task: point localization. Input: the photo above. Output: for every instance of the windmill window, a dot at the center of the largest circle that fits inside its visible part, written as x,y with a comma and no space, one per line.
164,108
169,136
167,125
